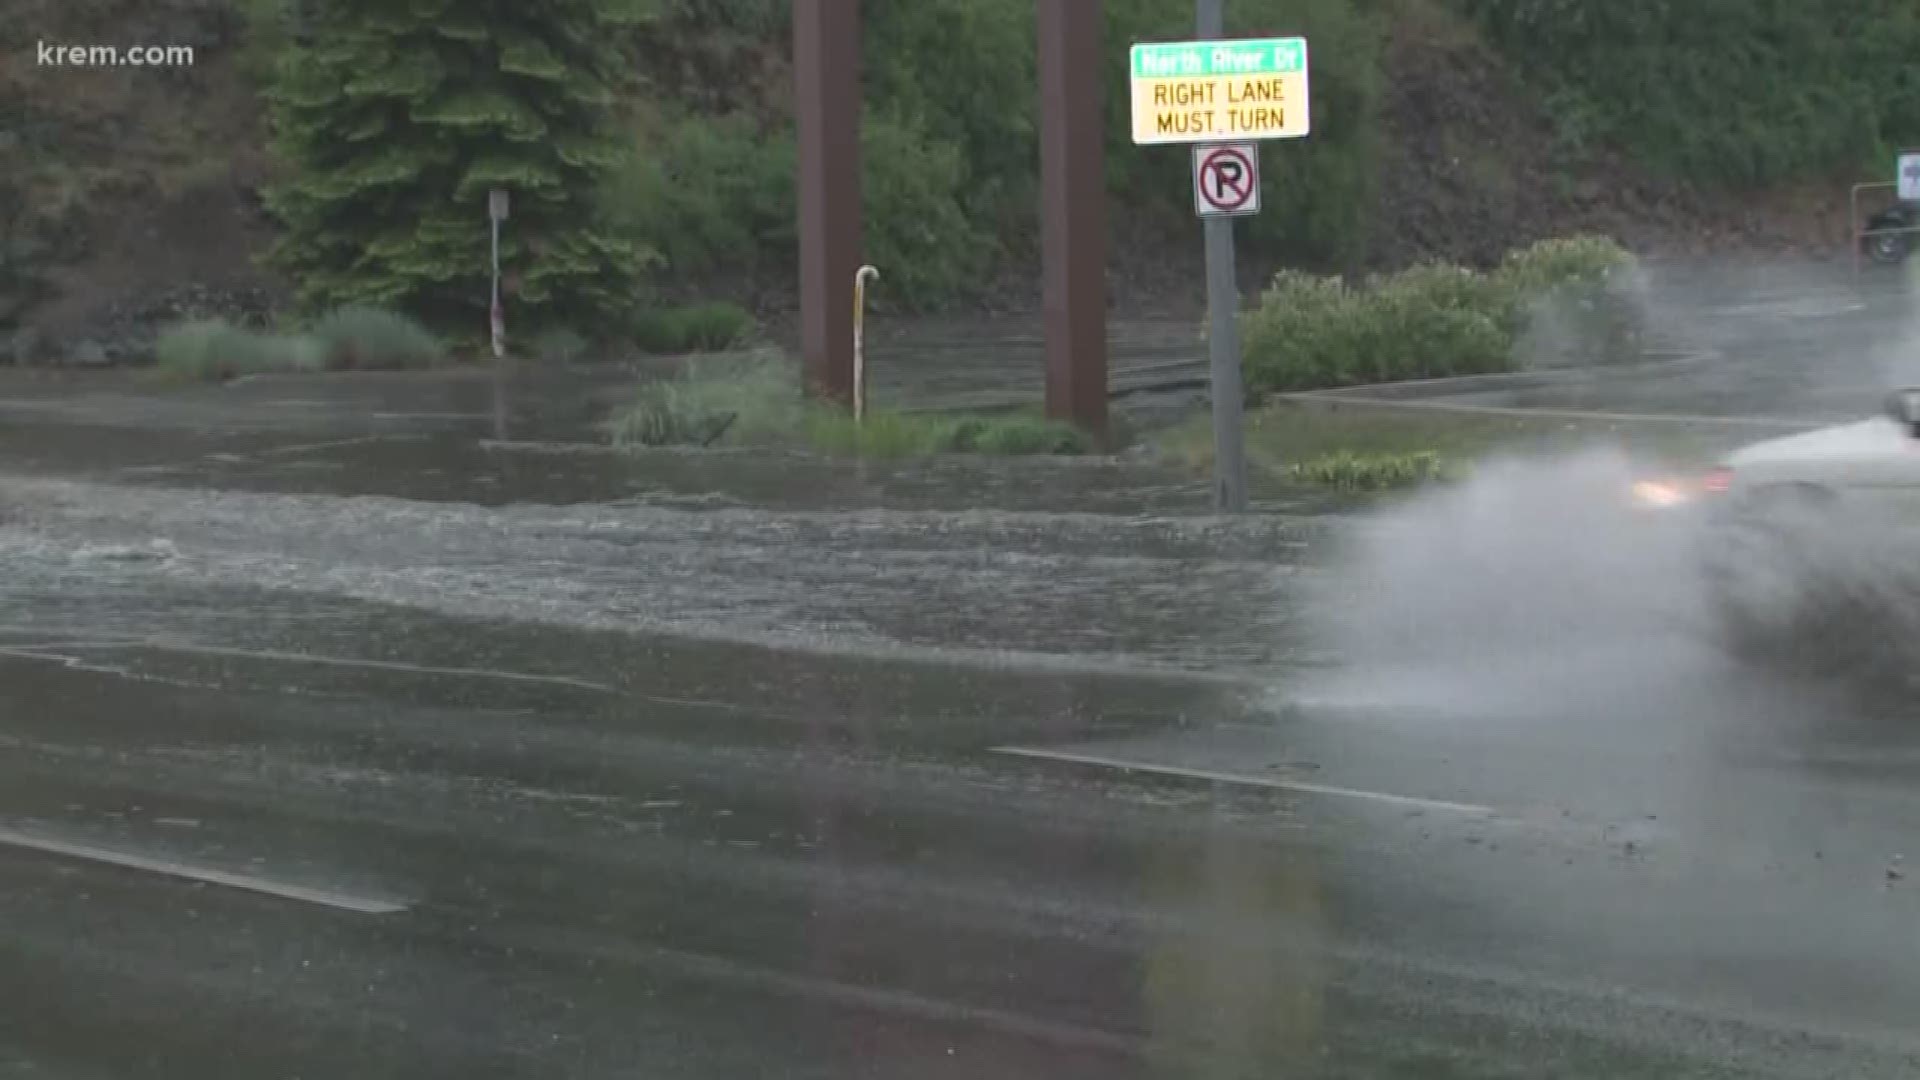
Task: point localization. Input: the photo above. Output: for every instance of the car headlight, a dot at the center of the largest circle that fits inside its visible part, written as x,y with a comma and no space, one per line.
1662,494
1669,492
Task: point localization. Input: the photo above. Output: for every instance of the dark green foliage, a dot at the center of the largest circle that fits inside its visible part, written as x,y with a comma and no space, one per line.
213,350
707,192
25,248
360,338
397,116
349,339
951,139
919,231
1735,92
1311,332
560,345
692,328
749,401
1017,435
42,201
717,193
746,401
964,75
1349,470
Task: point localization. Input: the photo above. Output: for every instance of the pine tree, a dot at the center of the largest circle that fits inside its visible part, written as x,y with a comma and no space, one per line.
396,117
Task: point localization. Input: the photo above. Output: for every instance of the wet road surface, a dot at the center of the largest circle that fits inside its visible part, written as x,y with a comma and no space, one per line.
378,735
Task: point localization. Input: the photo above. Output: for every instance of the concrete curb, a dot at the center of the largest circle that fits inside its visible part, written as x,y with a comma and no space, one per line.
1501,380
1777,423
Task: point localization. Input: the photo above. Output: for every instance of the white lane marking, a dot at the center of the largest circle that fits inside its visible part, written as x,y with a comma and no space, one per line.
31,649
431,416
1301,786
360,905
44,652
885,999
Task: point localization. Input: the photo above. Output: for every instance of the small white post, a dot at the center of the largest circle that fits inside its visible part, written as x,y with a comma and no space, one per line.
496,318
860,278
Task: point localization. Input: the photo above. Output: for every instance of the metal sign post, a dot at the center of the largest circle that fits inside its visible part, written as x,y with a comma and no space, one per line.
497,321
1223,328
1218,94
826,100
1073,212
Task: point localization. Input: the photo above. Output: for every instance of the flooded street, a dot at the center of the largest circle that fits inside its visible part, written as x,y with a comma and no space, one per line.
391,726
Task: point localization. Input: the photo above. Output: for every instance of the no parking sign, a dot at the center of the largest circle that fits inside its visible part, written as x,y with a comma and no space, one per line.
1226,180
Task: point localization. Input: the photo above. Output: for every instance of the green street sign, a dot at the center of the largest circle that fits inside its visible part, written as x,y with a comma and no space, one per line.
1260,56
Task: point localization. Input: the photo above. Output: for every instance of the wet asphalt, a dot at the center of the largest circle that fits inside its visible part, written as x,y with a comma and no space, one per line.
383,726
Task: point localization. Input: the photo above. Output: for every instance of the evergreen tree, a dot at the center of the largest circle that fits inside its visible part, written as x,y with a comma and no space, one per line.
397,117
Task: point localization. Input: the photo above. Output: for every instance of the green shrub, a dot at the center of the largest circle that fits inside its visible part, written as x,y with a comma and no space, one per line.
918,230
884,433
1552,264
706,191
693,328
1310,332
361,338
213,350
1012,435
757,401
1572,302
1348,470
559,346
1558,297
750,400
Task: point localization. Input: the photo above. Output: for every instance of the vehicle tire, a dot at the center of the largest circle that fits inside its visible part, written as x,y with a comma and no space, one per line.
1778,602
1762,590
1888,249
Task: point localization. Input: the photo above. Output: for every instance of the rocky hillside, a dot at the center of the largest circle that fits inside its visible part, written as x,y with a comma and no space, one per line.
129,194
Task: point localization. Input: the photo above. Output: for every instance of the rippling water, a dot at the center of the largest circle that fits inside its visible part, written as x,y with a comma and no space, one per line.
1012,587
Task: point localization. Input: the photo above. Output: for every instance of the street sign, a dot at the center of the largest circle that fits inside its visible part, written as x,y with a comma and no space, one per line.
1220,91
497,204
1909,176
1226,180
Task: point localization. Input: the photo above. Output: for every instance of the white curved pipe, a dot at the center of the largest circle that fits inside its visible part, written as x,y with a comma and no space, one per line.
860,278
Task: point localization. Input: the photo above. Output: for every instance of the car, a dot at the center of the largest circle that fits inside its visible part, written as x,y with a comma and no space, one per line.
1809,544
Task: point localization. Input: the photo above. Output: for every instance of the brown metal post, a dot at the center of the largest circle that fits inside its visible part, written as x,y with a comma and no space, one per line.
826,101
1073,195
